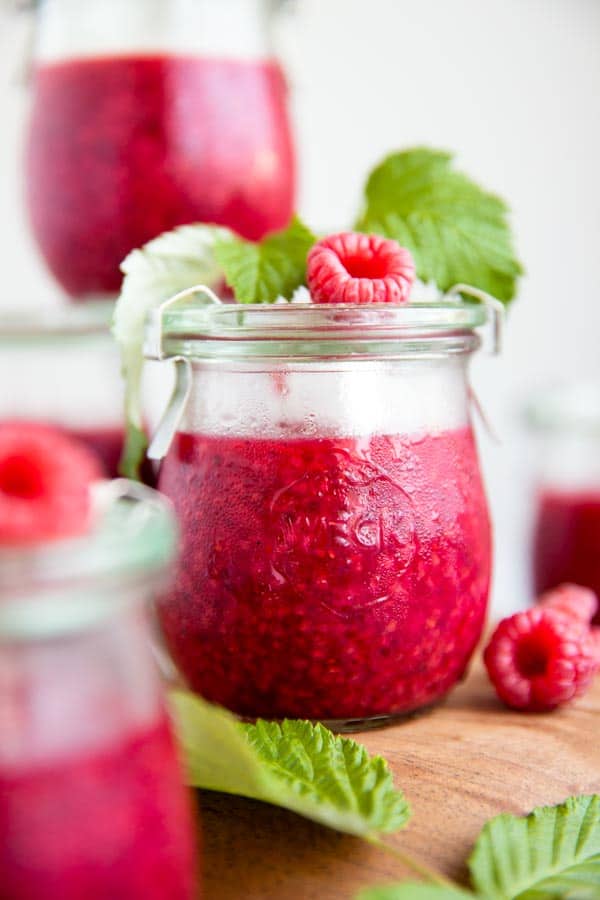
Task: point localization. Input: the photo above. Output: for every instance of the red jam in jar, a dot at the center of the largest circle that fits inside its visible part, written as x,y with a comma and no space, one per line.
106,443
327,578
115,822
564,423
335,535
123,148
93,801
567,540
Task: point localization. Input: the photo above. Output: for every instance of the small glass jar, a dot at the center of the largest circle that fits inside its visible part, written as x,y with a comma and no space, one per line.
335,535
565,423
148,114
64,369
93,802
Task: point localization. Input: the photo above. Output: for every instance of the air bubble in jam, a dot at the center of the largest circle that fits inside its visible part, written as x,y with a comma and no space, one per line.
324,578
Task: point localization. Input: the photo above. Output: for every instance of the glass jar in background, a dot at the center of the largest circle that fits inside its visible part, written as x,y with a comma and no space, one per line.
565,423
63,368
93,799
335,534
148,114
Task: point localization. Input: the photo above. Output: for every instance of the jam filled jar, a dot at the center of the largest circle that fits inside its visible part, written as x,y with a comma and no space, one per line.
148,114
63,368
335,534
566,533
93,803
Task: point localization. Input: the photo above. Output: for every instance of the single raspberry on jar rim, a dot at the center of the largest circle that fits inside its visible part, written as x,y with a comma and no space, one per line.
359,268
541,658
573,600
45,480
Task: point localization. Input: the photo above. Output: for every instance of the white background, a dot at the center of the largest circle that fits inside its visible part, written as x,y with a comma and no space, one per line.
513,86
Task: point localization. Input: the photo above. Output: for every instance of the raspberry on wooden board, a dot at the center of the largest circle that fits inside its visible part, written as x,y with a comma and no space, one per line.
573,600
541,658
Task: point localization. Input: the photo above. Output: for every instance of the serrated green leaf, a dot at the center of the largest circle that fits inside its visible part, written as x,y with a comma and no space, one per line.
295,764
552,853
415,891
274,267
456,231
166,265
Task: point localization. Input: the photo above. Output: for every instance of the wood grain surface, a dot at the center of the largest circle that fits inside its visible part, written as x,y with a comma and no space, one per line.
458,765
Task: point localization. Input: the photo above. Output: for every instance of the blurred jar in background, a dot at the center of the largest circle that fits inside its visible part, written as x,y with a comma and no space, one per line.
93,802
148,114
64,369
566,540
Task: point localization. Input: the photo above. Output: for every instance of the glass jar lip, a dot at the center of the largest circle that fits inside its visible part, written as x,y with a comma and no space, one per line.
58,587
199,329
81,321
572,407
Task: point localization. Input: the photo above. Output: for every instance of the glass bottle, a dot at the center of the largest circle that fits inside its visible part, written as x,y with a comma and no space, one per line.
93,802
565,423
335,534
148,114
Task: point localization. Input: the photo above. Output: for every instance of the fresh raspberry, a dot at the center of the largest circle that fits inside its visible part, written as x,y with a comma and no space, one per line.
359,268
44,483
540,659
573,600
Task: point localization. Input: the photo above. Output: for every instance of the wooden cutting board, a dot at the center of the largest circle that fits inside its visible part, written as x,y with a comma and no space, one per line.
466,761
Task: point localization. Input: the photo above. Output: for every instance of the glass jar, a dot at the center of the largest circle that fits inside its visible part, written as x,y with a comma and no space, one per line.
93,800
148,114
65,370
335,535
566,534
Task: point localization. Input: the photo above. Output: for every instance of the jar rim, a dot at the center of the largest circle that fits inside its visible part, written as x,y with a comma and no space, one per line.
58,587
568,407
197,329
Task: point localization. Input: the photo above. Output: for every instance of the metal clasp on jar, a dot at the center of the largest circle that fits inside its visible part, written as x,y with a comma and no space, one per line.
154,348
496,313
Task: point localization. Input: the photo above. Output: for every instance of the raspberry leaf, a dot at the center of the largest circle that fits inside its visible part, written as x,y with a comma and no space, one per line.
415,891
297,765
166,265
456,231
274,267
553,852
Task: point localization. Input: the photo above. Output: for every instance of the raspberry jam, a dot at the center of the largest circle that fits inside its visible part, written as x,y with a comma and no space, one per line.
567,540
111,823
106,443
123,148
327,578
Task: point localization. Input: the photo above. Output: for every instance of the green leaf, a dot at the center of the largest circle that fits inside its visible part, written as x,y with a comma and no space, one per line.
552,853
170,263
295,764
415,891
272,268
456,231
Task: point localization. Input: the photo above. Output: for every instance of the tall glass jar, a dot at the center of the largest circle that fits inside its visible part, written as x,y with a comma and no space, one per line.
565,423
65,370
335,535
93,802
148,114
